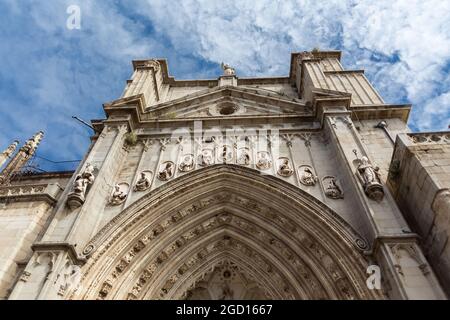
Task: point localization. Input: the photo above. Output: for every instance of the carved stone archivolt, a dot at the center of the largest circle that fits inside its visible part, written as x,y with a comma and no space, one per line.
286,251
332,187
166,171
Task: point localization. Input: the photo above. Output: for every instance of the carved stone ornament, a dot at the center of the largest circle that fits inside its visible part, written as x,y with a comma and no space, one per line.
153,64
187,163
263,160
206,157
370,179
227,70
166,170
225,154
77,196
284,167
31,145
331,188
144,181
10,150
307,175
243,158
119,193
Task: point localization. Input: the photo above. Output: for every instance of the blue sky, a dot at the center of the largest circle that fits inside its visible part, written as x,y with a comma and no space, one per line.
49,73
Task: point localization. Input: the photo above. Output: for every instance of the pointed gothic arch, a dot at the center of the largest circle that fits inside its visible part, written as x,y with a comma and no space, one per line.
279,241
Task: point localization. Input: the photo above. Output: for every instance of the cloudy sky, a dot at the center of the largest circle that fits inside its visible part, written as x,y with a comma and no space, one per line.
49,73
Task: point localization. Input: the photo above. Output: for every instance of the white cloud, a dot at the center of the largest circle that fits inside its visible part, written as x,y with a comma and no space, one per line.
257,37
403,45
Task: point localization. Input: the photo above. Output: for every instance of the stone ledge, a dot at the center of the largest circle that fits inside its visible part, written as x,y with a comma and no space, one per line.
38,192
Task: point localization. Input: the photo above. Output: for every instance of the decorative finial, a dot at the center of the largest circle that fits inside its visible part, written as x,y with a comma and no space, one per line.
10,150
227,69
31,145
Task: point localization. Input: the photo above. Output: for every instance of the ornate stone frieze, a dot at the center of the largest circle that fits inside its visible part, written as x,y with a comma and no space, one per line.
38,192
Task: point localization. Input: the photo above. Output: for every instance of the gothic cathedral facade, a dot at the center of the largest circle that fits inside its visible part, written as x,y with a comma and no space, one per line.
307,186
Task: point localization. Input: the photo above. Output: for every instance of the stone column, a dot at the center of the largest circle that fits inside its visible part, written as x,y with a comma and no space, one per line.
405,271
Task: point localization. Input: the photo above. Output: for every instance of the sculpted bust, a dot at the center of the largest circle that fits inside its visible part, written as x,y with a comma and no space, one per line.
332,189
143,182
264,161
167,170
307,176
285,169
119,195
206,157
187,163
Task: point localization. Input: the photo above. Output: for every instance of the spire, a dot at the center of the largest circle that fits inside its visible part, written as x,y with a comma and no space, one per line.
5,155
21,157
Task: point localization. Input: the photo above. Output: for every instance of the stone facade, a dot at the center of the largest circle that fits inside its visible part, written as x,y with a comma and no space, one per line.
228,188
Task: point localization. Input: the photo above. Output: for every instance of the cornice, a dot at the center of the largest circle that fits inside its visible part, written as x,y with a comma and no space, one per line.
38,192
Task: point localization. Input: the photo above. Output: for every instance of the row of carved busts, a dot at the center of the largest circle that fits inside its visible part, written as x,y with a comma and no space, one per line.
307,177
368,175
